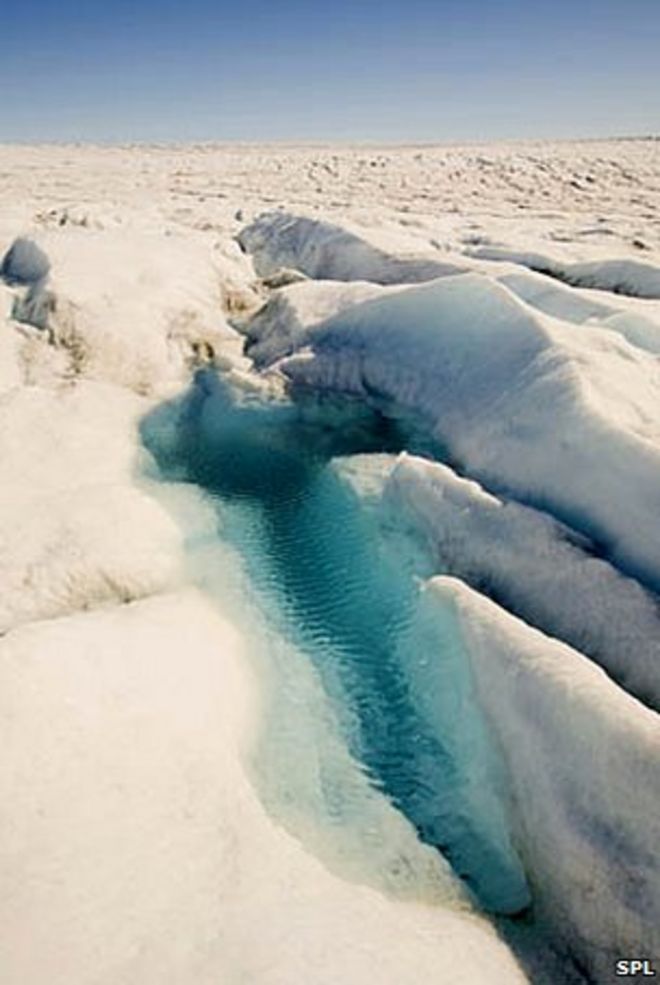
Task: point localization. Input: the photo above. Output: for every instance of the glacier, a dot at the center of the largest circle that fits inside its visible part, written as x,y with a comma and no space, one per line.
329,568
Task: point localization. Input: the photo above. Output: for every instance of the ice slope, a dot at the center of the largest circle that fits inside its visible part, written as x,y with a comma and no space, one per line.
534,567
325,251
24,264
622,276
584,772
280,325
640,328
564,420
135,308
134,847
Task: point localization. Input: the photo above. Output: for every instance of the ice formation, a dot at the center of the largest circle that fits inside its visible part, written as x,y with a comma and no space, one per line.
248,736
325,251
584,768
536,567
640,328
561,419
633,277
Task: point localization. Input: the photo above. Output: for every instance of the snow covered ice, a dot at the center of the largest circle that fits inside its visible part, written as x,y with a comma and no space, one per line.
329,564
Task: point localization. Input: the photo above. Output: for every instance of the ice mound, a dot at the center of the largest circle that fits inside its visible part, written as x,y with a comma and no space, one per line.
135,847
26,268
632,277
280,325
327,252
132,308
584,774
535,567
564,420
582,307
24,264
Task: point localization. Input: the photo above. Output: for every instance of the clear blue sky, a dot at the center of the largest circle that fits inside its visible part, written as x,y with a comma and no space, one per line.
394,70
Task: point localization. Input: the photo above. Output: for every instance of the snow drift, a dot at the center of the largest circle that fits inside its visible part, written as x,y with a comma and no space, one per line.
586,308
535,567
632,277
75,530
562,420
584,777
133,309
280,325
321,250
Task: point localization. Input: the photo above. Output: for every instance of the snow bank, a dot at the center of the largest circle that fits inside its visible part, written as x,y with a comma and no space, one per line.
321,250
281,324
75,531
625,276
583,764
133,308
582,307
535,567
564,420
134,847
26,267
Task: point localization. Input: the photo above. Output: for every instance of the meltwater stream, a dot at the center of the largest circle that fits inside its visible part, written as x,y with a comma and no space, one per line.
315,560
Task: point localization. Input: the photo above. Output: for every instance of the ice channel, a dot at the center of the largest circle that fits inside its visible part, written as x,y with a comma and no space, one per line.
324,570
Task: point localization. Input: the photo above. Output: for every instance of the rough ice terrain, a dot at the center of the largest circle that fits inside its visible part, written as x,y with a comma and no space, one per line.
329,564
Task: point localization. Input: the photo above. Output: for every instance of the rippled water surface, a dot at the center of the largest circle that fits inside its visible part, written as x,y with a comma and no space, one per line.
318,562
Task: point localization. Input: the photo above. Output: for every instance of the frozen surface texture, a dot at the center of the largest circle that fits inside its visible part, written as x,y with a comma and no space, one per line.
584,770
565,420
318,249
536,567
631,277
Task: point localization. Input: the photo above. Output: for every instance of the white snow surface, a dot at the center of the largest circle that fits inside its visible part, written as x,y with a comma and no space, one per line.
583,762
280,326
536,566
133,308
75,529
641,328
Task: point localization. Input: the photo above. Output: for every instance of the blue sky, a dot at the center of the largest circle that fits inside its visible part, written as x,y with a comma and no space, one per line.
411,70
